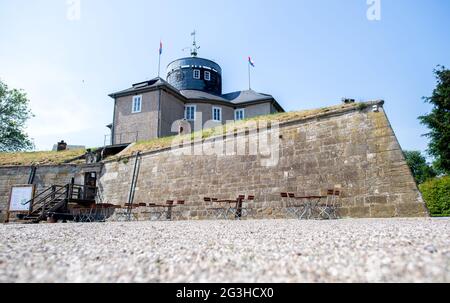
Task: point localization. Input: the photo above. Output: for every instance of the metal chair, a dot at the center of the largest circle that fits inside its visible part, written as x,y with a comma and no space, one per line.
250,211
101,212
178,212
293,209
336,203
330,208
104,211
326,208
88,215
219,212
238,211
153,211
168,212
76,212
124,216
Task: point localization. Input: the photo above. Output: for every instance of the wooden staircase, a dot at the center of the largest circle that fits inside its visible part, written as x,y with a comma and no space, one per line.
54,201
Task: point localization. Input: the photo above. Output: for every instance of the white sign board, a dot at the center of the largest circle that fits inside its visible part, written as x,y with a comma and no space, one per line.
19,196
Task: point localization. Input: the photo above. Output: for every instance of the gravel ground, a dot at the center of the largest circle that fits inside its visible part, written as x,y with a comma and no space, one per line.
372,250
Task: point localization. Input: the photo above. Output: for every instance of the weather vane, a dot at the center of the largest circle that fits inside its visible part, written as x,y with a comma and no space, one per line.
195,48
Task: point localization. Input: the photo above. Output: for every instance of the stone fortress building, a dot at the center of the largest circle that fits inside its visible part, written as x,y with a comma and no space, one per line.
350,146
193,89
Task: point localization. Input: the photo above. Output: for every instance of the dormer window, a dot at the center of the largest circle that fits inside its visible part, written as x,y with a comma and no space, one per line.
137,104
196,74
207,76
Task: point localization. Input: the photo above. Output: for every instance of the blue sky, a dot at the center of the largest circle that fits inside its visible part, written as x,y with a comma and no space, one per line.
308,54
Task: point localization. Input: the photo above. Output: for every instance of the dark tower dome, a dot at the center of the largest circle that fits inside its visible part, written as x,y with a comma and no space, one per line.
195,74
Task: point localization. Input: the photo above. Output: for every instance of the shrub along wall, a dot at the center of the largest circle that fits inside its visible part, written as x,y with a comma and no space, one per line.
436,194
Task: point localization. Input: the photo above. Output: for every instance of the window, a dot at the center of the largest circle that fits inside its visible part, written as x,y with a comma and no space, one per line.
179,76
239,114
207,76
137,104
196,74
217,114
189,112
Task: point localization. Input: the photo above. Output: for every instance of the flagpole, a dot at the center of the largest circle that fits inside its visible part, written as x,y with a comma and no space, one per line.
159,65
159,59
249,79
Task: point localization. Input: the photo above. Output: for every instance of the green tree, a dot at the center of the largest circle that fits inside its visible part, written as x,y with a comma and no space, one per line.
438,121
14,113
421,170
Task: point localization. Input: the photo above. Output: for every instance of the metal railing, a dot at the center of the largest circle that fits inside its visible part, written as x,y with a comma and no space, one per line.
47,199
121,138
57,196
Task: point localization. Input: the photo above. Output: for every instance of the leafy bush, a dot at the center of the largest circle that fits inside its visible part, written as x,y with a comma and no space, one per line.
362,106
436,193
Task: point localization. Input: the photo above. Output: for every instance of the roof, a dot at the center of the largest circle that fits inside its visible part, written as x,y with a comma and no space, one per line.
199,95
144,86
235,98
246,96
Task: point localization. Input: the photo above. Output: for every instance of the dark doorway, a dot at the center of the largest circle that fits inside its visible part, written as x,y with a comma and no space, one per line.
90,186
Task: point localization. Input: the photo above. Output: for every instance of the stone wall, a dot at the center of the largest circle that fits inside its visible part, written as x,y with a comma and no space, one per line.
354,149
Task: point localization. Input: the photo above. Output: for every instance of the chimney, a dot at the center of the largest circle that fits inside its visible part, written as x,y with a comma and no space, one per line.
61,146
348,100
